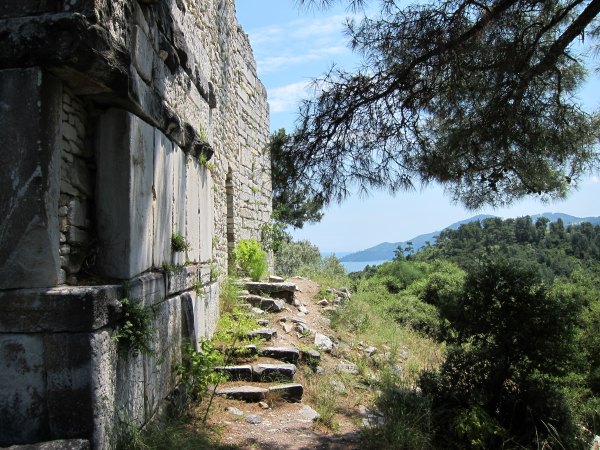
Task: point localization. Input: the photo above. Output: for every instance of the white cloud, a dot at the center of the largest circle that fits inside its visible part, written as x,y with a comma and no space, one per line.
273,63
331,26
594,179
301,41
266,36
286,98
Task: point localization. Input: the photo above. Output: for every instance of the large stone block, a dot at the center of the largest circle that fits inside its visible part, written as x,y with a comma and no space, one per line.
192,213
163,204
69,384
211,307
23,406
206,215
30,116
159,376
129,406
149,288
179,184
143,54
124,197
182,279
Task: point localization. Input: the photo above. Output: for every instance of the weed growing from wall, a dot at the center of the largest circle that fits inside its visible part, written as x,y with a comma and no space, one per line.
179,243
135,332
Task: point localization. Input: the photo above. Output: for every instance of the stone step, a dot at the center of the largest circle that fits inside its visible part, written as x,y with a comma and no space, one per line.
259,372
287,354
245,393
264,303
263,333
291,392
284,290
239,373
273,372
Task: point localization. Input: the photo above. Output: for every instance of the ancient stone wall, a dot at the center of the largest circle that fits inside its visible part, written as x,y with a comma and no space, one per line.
122,123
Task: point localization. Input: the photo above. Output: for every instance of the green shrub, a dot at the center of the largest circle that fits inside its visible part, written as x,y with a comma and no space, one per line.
409,310
512,344
197,370
406,421
251,258
291,257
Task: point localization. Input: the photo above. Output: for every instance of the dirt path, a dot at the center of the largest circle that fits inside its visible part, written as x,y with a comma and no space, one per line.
291,425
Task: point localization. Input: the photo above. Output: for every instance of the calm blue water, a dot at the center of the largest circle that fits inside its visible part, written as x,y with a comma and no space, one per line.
355,266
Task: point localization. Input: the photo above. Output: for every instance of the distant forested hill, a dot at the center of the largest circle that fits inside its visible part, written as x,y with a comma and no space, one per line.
385,250
554,248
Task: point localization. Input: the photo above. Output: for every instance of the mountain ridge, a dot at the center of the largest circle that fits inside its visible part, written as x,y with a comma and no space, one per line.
385,250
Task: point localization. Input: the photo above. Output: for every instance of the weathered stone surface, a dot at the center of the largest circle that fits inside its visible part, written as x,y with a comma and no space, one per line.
291,392
158,367
193,317
211,305
29,186
235,411
179,197
264,303
124,197
323,342
245,393
308,413
206,207
243,373
347,367
192,209
181,279
288,354
254,419
150,288
143,54
163,201
271,372
311,354
263,333
275,279
59,444
23,408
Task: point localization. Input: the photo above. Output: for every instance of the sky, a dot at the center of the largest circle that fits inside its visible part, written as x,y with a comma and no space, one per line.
293,46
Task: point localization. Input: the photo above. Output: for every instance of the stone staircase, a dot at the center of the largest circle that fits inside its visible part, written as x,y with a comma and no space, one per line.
272,374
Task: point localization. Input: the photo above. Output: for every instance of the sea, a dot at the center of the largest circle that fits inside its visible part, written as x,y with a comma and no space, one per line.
357,266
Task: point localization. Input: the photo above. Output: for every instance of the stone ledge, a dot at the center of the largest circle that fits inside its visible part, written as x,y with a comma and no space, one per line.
69,309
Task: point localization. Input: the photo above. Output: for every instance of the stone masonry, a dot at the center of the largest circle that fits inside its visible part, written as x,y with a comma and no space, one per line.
122,123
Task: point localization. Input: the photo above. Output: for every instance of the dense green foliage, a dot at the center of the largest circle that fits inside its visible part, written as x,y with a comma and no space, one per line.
517,305
477,95
251,259
553,249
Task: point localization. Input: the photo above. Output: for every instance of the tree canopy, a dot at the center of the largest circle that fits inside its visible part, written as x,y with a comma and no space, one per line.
294,202
475,95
